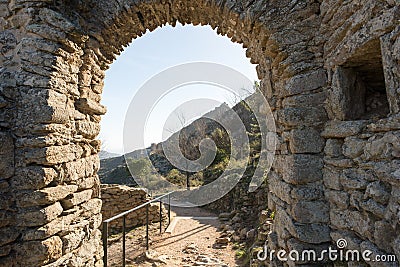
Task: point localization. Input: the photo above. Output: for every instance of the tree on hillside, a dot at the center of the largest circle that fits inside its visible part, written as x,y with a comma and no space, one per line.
189,139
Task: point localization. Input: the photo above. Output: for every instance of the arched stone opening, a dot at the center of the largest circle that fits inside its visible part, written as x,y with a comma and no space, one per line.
52,213
54,55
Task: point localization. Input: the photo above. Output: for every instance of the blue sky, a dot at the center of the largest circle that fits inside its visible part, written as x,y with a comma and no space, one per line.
152,53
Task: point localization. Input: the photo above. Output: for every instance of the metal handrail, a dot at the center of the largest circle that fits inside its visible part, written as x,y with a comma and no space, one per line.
123,215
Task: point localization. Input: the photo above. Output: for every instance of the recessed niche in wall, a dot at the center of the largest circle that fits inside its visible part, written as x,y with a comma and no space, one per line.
359,86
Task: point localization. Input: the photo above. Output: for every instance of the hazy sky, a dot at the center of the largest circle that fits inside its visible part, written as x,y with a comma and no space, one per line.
154,52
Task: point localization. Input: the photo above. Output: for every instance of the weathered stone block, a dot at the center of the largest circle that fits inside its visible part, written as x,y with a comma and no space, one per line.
56,19
347,94
81,168
88,129
72,241
384,235
4,251
91,208
302,116
5,218
356,197
306,82
34,177
384,148
388,172
333,148
378,192
352,220
391,123
3,102
50,229
96,221
5,201
300,168
90,248
76,199
391,68
88,106
353,147
42,105
8,235
42,251
373,207
351,179
338,198
312,191
53,155
306,140
340,163
312,233
310,212
39,217
4,187
279,187
45,196
309,233
6,155
305,100
332,178
284,228
342,129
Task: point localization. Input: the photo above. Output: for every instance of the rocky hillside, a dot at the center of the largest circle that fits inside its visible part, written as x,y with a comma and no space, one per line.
115,171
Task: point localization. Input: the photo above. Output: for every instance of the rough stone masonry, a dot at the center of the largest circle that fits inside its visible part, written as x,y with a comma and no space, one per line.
120,198
329,68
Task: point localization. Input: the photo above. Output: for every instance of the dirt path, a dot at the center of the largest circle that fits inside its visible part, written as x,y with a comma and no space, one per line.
192,242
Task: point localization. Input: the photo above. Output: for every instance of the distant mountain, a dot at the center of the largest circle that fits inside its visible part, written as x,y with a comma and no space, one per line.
113,170
106,155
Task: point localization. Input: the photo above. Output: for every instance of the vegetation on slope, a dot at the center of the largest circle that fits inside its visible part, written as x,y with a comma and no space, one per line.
115,170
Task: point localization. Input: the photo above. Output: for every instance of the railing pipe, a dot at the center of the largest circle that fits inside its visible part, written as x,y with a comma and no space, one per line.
169,209
123,215
160,216
136,208
147,227
124,242
105,241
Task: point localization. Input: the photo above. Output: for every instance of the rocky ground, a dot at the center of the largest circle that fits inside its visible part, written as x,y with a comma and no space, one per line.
198,239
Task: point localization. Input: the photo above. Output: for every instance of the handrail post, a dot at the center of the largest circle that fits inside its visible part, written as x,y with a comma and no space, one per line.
123,241
147,227
160,217
169,209
105,243
124,214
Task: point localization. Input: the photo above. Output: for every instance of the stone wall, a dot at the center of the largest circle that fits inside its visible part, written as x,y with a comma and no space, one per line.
350,192
117,199
362,174
321,63
361,154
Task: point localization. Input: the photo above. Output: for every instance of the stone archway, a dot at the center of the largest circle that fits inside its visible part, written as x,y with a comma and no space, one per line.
54,55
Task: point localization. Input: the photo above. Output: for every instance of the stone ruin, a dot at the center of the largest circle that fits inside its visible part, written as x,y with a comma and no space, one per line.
329,69
120,198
